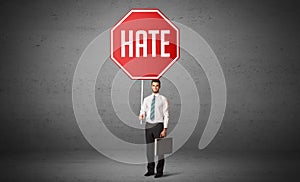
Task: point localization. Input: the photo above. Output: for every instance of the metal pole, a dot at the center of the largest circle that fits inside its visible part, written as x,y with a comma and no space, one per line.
142,95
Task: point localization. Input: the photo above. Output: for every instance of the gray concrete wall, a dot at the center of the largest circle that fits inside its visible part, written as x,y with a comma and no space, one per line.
256,43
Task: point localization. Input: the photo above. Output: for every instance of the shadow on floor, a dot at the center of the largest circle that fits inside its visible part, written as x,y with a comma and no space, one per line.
170,174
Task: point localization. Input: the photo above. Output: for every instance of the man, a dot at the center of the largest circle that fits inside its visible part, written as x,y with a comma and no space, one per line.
155,109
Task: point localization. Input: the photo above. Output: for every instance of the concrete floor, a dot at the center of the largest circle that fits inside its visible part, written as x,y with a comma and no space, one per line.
184,166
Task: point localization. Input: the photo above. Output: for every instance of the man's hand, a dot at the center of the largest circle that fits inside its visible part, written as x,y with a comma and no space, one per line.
163,133
141,117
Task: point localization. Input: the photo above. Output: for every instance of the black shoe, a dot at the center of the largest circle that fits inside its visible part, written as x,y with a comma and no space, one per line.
158,175
149,173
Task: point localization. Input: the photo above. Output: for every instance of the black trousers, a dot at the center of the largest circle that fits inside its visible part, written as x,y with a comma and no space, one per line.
153,131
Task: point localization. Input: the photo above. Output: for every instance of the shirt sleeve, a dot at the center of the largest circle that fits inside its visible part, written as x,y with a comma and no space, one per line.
143,108
166,112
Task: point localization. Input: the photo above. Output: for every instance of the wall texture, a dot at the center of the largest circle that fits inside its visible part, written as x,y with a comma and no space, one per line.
256,43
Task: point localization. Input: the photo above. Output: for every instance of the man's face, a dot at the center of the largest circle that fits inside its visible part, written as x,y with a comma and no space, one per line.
155,87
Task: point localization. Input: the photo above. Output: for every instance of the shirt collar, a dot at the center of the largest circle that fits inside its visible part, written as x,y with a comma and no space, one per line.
155,94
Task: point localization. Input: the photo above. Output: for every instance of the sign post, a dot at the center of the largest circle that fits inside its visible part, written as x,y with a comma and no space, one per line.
142,96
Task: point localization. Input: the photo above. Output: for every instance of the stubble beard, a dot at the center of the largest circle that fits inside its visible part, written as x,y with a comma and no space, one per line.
155,92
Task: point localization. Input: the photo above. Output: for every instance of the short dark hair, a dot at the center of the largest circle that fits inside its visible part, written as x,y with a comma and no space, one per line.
155,81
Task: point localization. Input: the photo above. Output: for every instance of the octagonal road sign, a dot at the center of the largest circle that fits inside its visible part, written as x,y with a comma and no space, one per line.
144,44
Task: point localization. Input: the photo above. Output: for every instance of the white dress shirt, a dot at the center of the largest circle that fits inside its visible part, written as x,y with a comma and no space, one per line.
161,109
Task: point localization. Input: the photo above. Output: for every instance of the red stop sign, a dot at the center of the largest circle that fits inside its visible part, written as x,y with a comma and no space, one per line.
144,44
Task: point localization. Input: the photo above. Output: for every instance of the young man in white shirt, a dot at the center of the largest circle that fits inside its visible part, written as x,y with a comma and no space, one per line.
155,109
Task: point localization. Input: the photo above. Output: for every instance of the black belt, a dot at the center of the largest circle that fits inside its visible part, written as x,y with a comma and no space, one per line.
150,125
